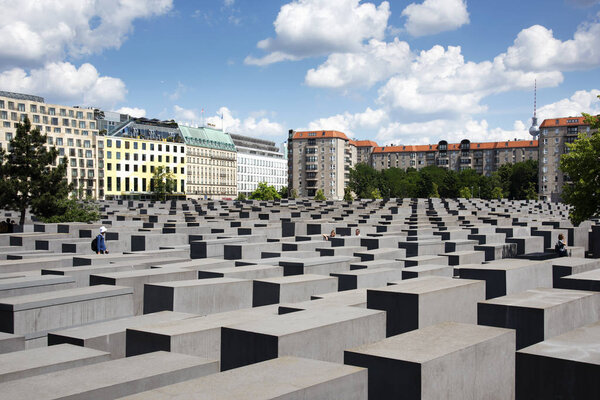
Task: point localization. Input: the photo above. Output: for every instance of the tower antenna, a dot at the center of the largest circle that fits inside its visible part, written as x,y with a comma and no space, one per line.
535,129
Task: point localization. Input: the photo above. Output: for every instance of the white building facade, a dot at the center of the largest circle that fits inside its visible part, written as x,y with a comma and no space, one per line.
258,161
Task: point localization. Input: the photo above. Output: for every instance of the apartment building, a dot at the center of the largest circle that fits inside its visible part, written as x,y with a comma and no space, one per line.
72,130
259,160
364,149
555,133
320,160
133,152
211,163
484,158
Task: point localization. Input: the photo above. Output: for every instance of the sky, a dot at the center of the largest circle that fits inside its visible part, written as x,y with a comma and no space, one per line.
396,72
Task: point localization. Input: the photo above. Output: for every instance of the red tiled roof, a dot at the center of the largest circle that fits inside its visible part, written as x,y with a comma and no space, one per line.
364,143
456,146
568,121
320,135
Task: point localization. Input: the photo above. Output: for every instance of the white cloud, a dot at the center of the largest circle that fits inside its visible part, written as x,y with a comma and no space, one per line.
186,115
133,111
306,28
64,82
228,3
351,124
454,131
580,101
33,32
375,61
440,81
536,49
254,125
435,16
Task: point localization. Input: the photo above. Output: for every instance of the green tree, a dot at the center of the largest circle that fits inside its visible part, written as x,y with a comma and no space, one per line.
163,181
524,180
363,179
283,192
464,192
241,197
293,194
27,176
582,168
265,192
319,196
348,195
376,194
497,193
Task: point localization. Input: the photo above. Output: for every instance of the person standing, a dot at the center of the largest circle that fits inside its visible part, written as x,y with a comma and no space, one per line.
101,241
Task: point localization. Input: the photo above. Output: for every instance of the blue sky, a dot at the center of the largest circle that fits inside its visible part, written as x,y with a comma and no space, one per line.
394,72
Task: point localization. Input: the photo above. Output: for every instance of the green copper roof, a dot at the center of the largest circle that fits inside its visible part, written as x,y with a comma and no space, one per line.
207,137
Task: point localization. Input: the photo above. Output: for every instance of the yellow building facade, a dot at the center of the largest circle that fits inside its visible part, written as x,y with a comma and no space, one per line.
130,164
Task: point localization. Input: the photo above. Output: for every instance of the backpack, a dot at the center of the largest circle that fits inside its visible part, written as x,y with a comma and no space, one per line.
559,248
95,245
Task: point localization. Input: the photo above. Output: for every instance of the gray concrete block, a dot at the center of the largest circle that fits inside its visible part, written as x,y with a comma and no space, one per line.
291,288
427,270
198,296
111,379
539,314
444,361
137,279
562,367
109,336
34,284
565,266
424,260
288,378
509,276
363,278
420,302
200,336
35,314
380,254
10,342
422,247
589,280
317,265
22,364
320,334
498,251
459,245
377,264
243,272
465,257
528,244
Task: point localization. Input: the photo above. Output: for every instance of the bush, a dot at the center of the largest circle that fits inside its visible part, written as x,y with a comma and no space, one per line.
71,210
464,192
320,196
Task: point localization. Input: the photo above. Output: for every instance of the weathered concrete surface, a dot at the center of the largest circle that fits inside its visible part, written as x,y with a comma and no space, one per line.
284,378
444,361
541,313
562,367
43,360
416,303
111,379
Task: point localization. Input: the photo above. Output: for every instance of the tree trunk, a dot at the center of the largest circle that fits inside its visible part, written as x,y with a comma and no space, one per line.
22,219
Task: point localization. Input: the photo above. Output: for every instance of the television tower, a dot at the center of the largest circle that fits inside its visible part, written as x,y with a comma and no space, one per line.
535,129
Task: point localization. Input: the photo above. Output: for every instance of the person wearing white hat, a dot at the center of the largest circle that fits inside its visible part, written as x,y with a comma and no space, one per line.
101,242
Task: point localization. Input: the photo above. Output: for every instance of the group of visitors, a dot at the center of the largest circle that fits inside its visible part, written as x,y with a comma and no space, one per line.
332,234
7,226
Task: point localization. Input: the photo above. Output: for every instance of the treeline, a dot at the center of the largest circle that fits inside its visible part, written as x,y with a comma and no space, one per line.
513,181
